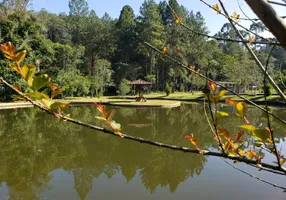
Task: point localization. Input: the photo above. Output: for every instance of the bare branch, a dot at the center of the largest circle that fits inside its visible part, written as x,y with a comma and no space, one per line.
266,108
222,86
218,38
275,86
253,176
277,3
235,22
270,18
252,20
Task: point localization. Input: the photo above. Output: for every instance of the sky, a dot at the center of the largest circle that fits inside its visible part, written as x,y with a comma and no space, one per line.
214,21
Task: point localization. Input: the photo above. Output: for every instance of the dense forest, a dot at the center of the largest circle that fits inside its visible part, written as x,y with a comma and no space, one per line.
88,55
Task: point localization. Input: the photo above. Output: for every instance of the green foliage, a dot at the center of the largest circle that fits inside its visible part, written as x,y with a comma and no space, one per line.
56,43
124,88
73,83
168,89
100,78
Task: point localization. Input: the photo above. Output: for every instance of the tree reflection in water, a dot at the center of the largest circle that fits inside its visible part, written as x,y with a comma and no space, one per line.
34,144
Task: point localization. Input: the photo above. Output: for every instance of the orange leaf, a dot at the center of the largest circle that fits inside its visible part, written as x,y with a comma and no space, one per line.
54,88
192,68
252,154
250,40
235,16
179,20
216,138
17,87
8,50
212,86
99,107
165,49
109,114
224,133
193,140
231,102
239,135
216,8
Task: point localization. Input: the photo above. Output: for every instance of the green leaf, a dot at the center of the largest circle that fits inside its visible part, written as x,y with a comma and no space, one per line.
56,93
221,114
60,106
258,144
248,127
37,95
100,118
47,103
41,81
237,145
28,72
220,95
261,134
116,127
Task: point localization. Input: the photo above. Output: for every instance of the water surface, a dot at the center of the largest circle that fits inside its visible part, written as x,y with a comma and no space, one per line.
43,158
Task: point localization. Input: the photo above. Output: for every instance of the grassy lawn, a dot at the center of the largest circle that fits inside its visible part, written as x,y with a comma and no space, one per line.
199,95
174,96
151,103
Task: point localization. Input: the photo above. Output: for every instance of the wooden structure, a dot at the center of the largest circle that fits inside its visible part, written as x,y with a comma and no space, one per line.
140,83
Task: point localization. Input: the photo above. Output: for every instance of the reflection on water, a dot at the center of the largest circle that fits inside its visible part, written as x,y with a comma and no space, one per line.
39,153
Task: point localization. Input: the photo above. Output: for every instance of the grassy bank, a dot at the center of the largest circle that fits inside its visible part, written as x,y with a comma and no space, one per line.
199,96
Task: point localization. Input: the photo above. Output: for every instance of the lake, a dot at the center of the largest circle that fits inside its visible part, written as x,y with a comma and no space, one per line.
44,158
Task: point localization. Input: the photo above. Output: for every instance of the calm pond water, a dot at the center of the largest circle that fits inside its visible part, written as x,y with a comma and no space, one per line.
43,158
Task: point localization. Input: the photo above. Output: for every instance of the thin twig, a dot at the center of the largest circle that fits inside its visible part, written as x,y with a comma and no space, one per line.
265,74
207,118
215,126
253,176
277,3
222,86
227,39
278,90
218,38
235,22
142,140
252,20
266,108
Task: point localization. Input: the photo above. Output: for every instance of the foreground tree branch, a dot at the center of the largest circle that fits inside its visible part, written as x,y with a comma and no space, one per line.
270,19
222,86
145,141
262,68
253,176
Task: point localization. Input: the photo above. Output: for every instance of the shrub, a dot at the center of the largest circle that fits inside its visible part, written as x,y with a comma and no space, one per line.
124,88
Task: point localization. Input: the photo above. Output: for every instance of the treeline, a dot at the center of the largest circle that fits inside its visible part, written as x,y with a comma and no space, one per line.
91,55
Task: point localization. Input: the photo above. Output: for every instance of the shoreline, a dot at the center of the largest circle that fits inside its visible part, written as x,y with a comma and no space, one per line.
170,102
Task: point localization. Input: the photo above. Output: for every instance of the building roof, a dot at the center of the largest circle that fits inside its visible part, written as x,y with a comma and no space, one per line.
139,82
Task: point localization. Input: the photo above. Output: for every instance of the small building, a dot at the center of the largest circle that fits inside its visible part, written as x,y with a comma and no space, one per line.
139,83
238,89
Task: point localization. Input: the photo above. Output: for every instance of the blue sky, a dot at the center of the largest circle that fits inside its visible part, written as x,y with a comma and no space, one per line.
113,7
